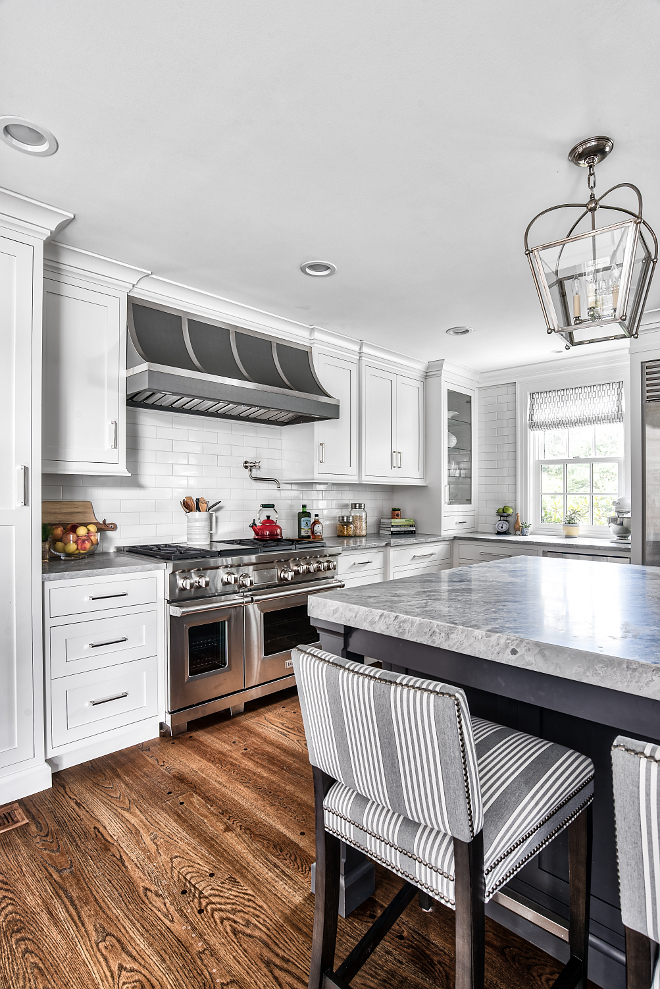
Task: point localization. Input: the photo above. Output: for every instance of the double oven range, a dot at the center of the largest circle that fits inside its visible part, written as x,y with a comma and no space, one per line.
235,612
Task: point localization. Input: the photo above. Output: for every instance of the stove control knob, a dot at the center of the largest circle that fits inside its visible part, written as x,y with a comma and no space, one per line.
229,578
185,583
201,580
287,574
315,567
245,580
300,568
329,565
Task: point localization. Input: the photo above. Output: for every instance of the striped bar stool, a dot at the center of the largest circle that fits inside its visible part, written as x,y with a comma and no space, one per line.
636,776
454,805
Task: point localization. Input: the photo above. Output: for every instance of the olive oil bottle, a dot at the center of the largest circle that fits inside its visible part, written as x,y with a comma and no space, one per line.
304,523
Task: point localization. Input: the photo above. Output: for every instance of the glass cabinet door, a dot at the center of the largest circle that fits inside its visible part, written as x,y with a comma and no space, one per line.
458,489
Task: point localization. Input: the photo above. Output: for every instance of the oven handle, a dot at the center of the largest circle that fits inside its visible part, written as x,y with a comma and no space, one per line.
208,604
331,585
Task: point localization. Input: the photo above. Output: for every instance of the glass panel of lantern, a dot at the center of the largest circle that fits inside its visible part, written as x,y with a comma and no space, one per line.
586,281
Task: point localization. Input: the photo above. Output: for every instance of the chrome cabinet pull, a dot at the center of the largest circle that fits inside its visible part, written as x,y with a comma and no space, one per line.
393,459
462,523
106,700
113,434
423,556
496,556
112,642
399,456
22,485
363,563
321,453
102,597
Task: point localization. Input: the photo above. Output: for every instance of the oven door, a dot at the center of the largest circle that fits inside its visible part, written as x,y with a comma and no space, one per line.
206,651
275,623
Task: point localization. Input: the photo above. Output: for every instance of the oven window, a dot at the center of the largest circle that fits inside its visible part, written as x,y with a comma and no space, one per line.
286,629
207,648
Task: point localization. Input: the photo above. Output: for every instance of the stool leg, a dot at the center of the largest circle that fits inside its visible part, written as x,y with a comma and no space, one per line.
326,895
638,960
470,920
580,840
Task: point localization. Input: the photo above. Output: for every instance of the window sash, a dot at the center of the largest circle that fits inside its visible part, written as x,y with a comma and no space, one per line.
565,494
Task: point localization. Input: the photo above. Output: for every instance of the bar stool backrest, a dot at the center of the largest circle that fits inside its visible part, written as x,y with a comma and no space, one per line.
403,742
636,776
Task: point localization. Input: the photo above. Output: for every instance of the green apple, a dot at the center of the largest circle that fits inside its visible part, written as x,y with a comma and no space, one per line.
507,510
498,511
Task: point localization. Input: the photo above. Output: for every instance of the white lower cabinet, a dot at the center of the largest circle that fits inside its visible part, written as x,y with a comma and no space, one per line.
485,552
356,565
104,650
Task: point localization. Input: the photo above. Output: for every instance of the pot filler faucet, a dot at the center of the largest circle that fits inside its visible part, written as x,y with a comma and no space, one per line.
251,465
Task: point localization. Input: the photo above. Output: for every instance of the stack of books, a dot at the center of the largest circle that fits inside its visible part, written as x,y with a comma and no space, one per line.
397,527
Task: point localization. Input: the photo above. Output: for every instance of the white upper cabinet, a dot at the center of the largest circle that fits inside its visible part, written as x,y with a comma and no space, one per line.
84,369
392,426
327,450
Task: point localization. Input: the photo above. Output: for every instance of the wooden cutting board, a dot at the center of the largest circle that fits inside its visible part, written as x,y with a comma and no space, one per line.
65,512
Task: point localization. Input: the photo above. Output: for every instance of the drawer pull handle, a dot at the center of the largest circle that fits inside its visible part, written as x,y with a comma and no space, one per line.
496,556
102,597
423,556
106,700
462,523
111,642
363,563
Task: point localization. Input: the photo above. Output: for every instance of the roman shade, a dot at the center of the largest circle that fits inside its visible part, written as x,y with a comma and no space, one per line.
586,405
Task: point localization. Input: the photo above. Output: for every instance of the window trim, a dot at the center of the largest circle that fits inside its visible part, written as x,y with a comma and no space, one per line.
610,368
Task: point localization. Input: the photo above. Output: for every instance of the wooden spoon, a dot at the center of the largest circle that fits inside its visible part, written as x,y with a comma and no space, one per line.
183,506
188,504
203,505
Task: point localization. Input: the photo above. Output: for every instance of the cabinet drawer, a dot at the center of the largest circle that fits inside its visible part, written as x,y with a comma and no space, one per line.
354,564
101,642
483,553
417,571
103,595
593,557
89,703
424,555
373,577
459,523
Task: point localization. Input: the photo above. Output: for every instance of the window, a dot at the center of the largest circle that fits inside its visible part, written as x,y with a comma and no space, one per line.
578,452
579,469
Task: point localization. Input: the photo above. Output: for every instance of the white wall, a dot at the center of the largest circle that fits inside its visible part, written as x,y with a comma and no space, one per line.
172,455
497,453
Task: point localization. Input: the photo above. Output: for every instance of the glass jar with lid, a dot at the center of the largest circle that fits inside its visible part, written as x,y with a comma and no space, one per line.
345,525
359,513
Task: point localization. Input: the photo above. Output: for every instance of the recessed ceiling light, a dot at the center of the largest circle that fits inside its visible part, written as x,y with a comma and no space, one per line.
318,269
28,137
458,331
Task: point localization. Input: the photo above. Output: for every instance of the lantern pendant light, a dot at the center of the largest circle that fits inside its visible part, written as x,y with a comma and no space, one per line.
593,284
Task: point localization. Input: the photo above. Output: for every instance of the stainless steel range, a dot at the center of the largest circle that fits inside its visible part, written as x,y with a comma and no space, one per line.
236,610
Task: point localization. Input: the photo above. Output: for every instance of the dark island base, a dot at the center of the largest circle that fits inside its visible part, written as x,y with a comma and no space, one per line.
581,716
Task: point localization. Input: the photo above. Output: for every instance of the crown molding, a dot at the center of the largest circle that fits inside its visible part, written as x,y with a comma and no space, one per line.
27,216
436,369
88,267
328,338
616,359
389,358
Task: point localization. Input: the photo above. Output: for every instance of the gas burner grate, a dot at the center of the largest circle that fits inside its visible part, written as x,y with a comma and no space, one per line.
169,551
268,545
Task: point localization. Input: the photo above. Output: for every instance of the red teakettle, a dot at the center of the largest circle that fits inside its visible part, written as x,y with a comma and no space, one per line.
267,528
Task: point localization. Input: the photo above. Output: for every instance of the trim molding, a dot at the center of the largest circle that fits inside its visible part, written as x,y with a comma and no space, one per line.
30,216
87,267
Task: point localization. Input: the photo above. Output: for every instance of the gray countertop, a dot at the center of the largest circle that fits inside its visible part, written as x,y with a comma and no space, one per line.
594,622
98,564
374,540
609,547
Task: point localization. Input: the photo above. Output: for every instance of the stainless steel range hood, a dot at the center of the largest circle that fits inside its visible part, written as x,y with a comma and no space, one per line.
181,363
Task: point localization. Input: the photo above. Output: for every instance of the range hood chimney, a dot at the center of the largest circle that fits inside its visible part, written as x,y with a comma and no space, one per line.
180,363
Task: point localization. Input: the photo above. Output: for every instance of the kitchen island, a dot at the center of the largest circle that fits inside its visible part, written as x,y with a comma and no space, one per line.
564,650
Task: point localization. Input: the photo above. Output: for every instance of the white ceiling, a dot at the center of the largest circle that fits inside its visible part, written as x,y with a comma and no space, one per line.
220,143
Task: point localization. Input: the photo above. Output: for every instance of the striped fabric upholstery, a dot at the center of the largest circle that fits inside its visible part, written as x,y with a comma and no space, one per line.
402,742
531,789
408,758
636,776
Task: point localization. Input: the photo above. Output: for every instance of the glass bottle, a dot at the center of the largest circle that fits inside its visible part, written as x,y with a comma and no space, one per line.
359,513
345,525
304,523
317,528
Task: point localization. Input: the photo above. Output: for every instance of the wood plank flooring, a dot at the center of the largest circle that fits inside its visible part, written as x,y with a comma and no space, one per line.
185,864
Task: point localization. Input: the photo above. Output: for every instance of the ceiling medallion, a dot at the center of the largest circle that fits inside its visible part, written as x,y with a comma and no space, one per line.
593,284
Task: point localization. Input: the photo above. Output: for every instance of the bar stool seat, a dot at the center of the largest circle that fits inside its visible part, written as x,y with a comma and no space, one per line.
454,805
531,790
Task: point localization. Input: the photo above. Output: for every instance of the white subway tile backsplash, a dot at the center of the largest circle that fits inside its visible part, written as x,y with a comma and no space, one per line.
497,451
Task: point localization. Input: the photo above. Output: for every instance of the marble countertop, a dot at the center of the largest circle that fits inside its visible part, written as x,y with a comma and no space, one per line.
609,547
374,540
100,563
594,622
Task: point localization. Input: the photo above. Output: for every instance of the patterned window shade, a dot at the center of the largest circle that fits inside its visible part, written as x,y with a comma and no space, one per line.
583,406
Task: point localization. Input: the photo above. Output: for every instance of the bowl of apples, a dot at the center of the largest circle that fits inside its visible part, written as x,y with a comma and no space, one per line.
71,542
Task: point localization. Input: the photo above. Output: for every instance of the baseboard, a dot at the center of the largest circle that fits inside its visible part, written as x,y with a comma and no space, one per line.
112,741
25,783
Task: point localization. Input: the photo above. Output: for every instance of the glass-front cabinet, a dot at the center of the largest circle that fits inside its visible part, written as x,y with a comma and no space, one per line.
459,459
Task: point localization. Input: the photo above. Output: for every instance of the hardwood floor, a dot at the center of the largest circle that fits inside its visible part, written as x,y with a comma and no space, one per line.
185,864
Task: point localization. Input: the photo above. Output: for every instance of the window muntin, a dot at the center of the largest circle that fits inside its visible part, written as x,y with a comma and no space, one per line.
579,468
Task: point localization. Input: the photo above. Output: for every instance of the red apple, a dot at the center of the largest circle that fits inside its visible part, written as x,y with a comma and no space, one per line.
84,543
57,532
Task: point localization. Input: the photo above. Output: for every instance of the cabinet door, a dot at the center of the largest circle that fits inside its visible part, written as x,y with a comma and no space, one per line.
378,426
336,451
16,699
81,378
409,428
459,447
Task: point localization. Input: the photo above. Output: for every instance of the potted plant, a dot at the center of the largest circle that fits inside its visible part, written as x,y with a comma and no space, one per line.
572,521
524,528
